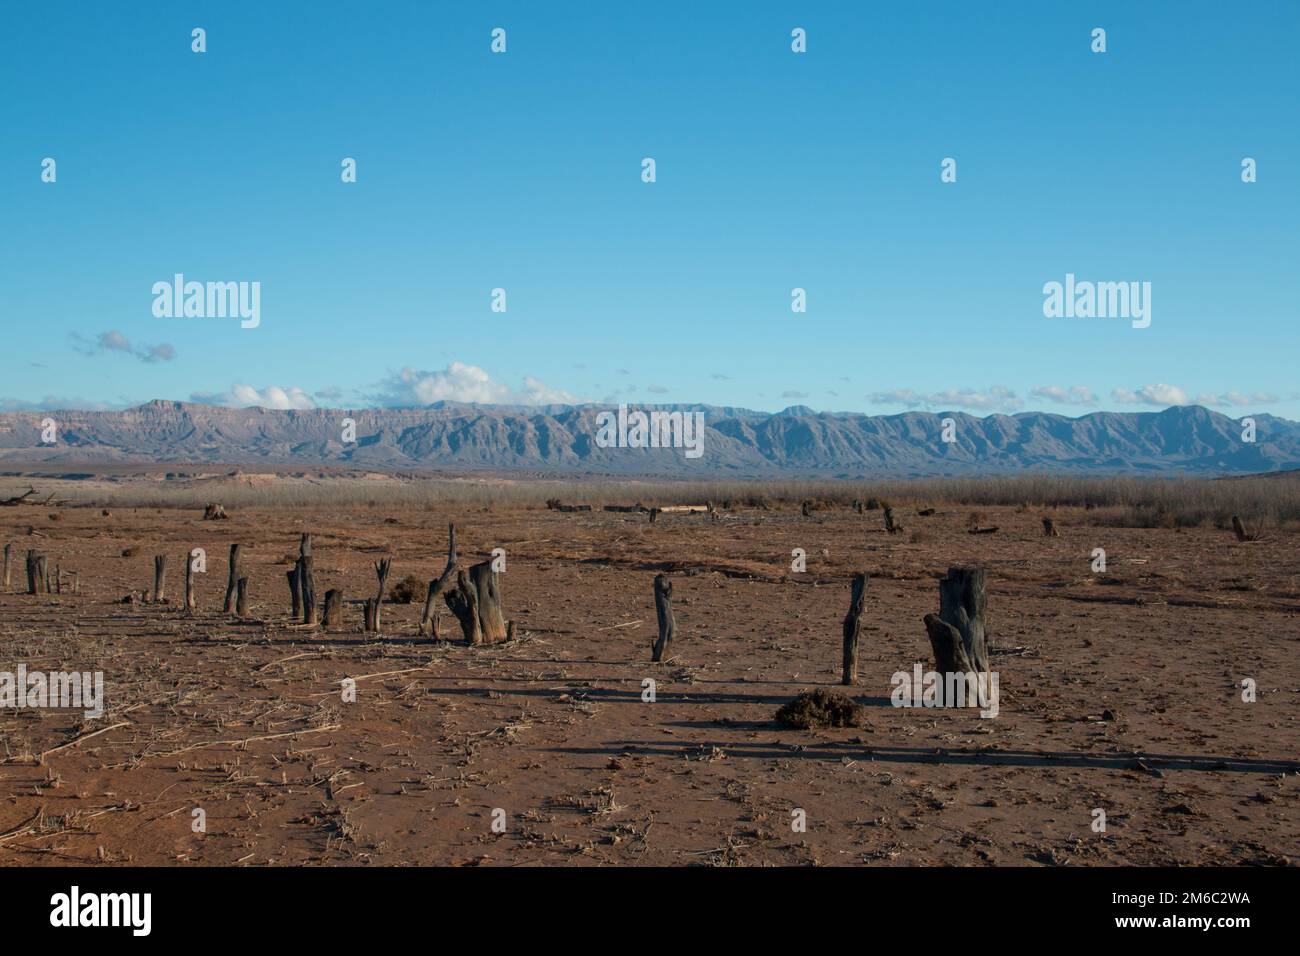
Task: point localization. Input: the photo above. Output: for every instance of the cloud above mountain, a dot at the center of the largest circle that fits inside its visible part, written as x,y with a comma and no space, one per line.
460,382
113,341
995,399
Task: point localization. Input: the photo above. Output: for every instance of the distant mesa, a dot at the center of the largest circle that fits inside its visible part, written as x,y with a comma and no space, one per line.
739,443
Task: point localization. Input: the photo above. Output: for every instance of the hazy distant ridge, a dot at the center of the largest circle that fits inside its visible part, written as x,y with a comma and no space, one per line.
561,439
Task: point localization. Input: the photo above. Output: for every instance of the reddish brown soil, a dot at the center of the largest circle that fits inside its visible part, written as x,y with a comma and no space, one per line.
552,728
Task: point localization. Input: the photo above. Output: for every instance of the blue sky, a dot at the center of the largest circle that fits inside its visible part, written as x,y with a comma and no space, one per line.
775,170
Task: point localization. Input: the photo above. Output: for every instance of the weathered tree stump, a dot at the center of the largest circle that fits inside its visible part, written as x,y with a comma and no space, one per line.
57,575
191,600
805,508
232,583
962,603
241,601
333,607
159,578
950,657
853,629
463,602
664,614
295,593
1242,532
1049,528
372,616
487,588
307,589
9,552
382,567
37,580
654,514
305,581
891,526
428,619
214,512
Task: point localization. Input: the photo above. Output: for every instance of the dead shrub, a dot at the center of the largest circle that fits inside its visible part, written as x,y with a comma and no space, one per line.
409,590
816,709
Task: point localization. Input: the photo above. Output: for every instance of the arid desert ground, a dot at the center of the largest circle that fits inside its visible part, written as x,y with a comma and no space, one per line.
1120,690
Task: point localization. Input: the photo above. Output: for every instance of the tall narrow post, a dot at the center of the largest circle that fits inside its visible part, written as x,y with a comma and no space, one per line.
232,582
664,612
159,578
853,629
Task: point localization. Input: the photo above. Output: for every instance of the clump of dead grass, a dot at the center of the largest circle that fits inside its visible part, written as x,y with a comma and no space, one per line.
815,709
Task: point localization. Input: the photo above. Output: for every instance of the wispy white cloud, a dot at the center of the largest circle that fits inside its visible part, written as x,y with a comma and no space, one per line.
114,341
459,382
246,396
1074,395
996,399
1160,394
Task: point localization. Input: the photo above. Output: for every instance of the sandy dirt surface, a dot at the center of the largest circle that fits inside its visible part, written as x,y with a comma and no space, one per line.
1120,691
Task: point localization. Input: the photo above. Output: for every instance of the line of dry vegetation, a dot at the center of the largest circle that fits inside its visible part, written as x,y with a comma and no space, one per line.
1127,502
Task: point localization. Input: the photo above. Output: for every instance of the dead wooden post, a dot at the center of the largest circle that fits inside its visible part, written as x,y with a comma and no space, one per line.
950,658
9,551
307,585
37,579
333,607
57,575
191,602
664,613
295,595
159,578
962,603
487,588
463,602
428,619
891,525
306,581
241,602
232,582
853,628
381,571
1049,529
654,514
372,616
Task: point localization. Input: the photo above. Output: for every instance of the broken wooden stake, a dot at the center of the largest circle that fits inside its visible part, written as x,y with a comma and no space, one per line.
463,602
232,582
241,601
382,567
664,613
487,589
295,594
853,628
191,600
37,580
333,607
428,619
159,578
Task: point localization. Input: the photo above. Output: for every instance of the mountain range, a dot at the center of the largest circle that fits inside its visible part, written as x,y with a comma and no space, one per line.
560,440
